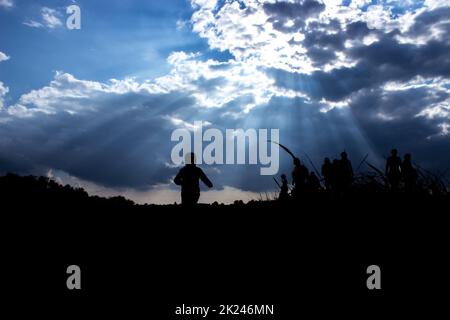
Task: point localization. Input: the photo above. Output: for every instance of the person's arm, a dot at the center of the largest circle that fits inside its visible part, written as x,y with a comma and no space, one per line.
178,179
205,179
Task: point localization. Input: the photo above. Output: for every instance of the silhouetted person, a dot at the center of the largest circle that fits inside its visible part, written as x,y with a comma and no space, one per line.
300,176
393,169
284,189
334,177
313,183
409,173
344,173
188,178
327,173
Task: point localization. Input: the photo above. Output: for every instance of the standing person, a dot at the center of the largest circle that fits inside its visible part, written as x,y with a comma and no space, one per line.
300,176
345,172
334,181
327,173
393,169
188,178
313,183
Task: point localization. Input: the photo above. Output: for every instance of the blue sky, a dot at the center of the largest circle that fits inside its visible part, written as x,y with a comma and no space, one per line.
117,39
95,107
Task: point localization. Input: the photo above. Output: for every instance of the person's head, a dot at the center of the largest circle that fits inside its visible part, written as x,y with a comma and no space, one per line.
283,176
190,158
407,157
344,155
327,160
297,162
394,152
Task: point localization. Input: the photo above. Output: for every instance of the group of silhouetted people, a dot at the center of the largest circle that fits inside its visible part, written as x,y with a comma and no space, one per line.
398,171
337,177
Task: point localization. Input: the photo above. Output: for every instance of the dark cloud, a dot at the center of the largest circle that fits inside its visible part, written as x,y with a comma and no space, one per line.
118,144
282,12
378,63
384,60
404,129
299,9
437,18
325,39
357,30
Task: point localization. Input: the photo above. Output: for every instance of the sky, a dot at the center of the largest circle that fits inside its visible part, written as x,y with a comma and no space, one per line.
95,107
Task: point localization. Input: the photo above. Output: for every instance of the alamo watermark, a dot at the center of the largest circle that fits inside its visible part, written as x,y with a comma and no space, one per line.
237,146
73,21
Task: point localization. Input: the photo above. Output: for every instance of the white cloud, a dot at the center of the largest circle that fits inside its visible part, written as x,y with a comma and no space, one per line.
50,18
3,91
181,24
249,36
211,83
439,110
253,35
379,17
250,33
329,105
437,84
445,128
33,24
359,3
3,57
432,4
6,3
65,93
225,81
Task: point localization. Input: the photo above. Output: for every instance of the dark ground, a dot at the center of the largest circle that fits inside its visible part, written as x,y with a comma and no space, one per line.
307,259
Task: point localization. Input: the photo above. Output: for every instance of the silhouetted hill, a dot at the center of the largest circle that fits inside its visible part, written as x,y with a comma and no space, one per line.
42,192
321,243
35,191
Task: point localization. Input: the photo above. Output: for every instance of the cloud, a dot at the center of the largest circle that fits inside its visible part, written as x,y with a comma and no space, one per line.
287,16
6,3
432,4
50,18
33,24
3,57
336,55
3,91
74,125
360,77
307,36
122,126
